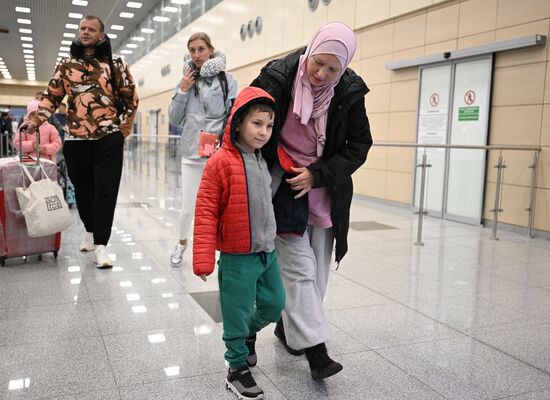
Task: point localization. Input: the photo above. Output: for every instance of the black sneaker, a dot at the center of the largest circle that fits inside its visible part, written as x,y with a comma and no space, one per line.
320,364
280,333
252,358
242,383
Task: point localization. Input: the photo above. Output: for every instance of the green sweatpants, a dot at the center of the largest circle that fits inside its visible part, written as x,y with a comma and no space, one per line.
251,295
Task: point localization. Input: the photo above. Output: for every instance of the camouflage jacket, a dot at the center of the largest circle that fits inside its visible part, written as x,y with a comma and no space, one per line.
91,111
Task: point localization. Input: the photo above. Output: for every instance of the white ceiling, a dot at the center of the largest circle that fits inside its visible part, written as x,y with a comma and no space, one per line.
48,19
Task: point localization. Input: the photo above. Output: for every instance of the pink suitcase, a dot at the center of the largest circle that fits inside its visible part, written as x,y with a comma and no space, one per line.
14,240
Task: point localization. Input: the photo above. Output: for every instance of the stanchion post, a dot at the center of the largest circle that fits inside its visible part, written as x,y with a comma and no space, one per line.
532,198
421,211
500,167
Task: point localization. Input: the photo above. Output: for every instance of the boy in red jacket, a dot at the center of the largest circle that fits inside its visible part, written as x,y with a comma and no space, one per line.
234,215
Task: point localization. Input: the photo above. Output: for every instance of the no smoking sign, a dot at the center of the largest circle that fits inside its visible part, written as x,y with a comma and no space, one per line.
434,99
469,97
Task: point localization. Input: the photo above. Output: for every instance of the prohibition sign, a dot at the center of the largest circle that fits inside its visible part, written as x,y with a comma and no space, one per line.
434,99
469,97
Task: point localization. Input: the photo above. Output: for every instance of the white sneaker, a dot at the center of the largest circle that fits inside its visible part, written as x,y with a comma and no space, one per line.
102,257
88,243
177,255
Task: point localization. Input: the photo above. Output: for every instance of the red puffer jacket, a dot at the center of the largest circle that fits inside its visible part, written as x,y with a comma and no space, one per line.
222,219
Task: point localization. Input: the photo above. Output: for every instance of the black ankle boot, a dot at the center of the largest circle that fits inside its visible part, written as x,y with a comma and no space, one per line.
320,364
280,333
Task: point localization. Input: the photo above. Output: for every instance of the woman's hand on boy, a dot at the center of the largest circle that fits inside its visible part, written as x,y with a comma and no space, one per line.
303,181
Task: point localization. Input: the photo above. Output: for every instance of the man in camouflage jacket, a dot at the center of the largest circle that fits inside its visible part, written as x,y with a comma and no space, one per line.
94,146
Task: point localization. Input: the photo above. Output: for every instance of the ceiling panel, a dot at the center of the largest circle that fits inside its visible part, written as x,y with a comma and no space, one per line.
48,19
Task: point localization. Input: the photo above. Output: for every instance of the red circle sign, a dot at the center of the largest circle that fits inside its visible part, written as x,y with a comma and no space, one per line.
434,99
469,97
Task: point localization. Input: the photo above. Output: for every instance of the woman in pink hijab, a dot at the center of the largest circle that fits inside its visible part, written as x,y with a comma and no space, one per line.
325,137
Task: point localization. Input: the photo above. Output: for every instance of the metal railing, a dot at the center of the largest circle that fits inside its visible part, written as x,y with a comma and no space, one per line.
162,155
500,166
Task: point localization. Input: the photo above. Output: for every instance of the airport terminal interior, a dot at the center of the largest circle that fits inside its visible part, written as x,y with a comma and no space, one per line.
445,290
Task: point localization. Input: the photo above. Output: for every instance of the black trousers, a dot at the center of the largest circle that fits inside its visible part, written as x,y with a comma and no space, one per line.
95,168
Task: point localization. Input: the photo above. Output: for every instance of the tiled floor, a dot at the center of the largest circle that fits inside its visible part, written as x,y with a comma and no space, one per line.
462,317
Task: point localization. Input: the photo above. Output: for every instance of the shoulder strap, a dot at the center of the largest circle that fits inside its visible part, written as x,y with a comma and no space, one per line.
225,88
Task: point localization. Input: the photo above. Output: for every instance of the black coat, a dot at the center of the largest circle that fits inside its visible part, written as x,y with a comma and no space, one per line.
348,137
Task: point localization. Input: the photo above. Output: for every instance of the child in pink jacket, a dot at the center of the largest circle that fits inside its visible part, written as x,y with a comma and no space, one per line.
50,142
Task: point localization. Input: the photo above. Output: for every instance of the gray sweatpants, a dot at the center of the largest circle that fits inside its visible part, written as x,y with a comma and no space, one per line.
305,266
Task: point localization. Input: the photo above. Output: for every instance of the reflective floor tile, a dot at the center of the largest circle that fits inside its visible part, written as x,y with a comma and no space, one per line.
137,313
47,323
157,355
464,369
100,395
366,375
388,325
204,387
50,369
42,292
355,296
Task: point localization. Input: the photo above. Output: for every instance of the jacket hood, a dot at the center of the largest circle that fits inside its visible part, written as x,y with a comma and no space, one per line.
249,95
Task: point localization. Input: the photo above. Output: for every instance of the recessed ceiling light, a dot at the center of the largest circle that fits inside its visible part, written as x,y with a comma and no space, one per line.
170,9
32,78
28,56
131,45
147,30
63,54
159,18
75,15
25,30
26,38
126,15
181,1
112,35
66,42
62,48
68,34
117,27
27,45
30,68
23,9
28,51
29,61
71,26
83,3
138,38
126,51
133,4
23,21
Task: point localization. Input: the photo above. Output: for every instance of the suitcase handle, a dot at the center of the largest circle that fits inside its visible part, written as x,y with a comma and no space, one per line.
37,161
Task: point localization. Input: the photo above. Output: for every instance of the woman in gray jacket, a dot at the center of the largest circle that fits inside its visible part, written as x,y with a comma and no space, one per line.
202,101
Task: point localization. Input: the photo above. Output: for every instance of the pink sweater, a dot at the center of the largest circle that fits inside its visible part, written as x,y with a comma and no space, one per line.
50,142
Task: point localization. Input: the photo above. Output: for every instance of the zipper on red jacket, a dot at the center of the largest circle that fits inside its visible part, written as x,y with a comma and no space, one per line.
247,202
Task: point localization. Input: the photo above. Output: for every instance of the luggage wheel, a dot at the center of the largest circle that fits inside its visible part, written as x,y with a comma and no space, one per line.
55,254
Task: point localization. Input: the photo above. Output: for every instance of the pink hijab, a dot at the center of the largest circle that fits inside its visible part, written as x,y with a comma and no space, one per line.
333,38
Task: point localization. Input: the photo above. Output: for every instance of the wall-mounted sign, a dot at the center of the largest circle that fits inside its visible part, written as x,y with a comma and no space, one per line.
165,70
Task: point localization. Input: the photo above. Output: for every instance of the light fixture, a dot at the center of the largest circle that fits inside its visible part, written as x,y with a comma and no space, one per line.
62,48
71,26
69,35
26,38
63,54
82,3
126,52
22,9
181,1
23,21
170,9
131,45
159,18
138,38
28,51
25,30
147,30
112,35
117,27
31,56
126,15
27,45
133,4
66,42
75,15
